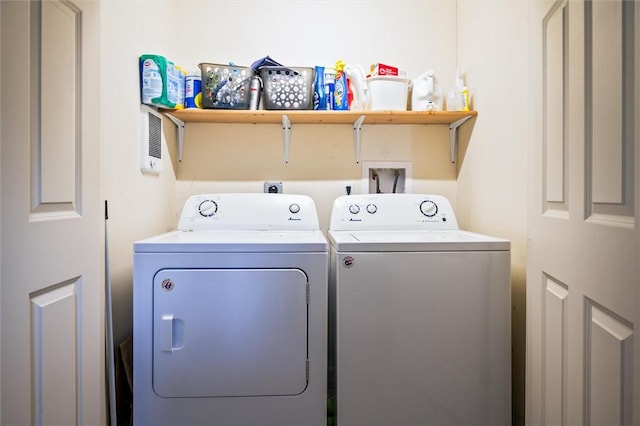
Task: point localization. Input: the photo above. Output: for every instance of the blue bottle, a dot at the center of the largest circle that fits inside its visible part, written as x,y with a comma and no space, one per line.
329,86
341,91
319,97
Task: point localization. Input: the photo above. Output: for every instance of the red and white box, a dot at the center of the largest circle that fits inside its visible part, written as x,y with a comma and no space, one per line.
382,69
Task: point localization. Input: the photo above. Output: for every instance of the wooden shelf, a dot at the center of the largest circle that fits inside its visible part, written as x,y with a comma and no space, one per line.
287,118
318,117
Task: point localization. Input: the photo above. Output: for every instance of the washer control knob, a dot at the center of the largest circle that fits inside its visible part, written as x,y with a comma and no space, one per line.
354,209
208,208
372,208
294,208
428,208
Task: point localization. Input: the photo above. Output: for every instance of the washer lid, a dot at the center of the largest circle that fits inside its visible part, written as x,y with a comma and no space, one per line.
421,241
233,241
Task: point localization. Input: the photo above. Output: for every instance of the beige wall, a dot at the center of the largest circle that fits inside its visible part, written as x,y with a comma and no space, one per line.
239,158
492,192
414,36
140,205
485,39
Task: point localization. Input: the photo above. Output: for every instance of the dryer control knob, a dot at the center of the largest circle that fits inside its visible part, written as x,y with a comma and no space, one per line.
208,208
294,208
372,208
354,209
428,208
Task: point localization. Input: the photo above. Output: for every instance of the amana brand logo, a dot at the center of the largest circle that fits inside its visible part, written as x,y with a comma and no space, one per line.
167,284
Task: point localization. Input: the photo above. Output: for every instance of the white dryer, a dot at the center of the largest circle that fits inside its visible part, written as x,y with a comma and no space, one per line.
230,315
420,315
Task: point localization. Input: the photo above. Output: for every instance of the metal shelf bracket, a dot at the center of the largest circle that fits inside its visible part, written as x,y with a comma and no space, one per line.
453,136
286,136
357,129
179,133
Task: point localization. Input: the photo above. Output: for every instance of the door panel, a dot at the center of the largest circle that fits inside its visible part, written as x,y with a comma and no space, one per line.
609,369
555,350
56,80
609,94
555,143
55,86
229,332
55,334
52,246
583,283
604,43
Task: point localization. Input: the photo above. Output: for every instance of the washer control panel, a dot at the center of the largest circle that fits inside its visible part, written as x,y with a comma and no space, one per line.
391,212
249,212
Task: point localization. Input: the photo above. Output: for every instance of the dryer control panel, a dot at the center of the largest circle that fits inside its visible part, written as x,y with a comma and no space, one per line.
392,212
249,212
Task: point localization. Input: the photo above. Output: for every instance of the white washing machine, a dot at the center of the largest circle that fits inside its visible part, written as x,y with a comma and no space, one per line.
420,315
230,315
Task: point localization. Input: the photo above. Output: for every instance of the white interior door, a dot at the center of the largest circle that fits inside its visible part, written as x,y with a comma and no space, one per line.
583,284
52,245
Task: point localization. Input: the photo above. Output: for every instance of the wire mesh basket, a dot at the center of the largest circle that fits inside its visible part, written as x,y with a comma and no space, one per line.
287,87
225,86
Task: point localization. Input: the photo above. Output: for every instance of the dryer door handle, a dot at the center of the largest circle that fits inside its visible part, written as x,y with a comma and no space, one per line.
171,333
166,333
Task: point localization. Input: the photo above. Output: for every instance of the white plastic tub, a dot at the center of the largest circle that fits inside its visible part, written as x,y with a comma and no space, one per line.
388,93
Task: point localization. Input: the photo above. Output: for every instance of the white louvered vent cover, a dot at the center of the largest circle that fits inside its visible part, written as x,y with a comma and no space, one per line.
150,140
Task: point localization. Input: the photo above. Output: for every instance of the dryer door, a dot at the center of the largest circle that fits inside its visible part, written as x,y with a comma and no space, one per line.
229,332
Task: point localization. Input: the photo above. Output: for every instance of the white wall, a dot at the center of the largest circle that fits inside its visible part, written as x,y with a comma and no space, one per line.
414,35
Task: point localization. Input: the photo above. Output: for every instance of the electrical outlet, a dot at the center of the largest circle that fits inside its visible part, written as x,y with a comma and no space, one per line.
273,187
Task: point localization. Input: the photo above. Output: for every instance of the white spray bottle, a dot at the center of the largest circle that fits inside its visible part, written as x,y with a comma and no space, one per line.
359,85
426,95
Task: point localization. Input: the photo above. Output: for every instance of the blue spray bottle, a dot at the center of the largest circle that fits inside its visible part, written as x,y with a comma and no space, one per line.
319,96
